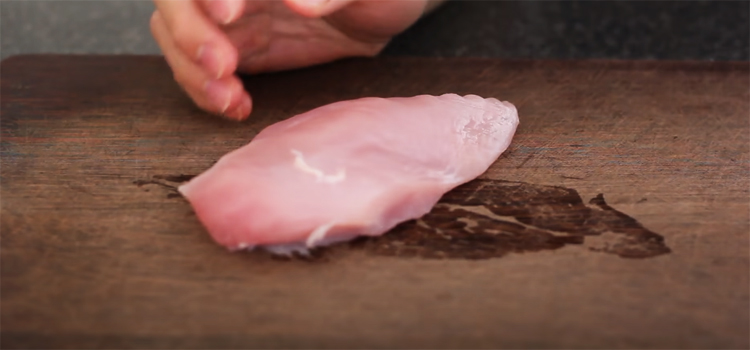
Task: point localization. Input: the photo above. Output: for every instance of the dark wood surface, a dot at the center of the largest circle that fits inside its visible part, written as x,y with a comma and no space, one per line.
619,217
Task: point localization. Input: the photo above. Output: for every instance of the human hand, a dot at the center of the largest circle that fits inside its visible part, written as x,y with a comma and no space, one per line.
205,42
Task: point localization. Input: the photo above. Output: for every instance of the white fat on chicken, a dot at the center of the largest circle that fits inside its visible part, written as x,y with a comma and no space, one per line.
320,176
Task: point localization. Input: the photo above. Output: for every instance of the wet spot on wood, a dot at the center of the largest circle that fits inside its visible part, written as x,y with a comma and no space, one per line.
488,219
175,178
491,218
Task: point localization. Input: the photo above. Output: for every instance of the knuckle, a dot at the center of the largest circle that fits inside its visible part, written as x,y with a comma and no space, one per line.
182,33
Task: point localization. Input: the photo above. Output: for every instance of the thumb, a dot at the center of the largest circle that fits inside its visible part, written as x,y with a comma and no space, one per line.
316,8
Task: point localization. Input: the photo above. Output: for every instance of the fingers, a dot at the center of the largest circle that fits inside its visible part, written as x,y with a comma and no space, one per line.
224,11
197,37
377,20
317,8
237,104
227,12
225,96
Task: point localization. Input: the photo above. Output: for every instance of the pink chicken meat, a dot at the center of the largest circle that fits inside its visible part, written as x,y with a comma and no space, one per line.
346,169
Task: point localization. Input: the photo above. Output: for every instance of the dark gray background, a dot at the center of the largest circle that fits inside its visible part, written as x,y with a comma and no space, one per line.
692,30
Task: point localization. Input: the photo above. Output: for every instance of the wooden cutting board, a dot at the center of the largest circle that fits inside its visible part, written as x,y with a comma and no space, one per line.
619,216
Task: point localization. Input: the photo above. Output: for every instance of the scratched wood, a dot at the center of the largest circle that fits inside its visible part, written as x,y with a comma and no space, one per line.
90,259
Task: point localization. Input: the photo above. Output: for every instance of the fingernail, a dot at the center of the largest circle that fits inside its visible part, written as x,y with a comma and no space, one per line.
209,59
310,8
227,11
245,107
242,110
219,94
316,4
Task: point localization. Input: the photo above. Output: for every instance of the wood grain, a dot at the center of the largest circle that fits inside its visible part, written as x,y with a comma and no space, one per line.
91,259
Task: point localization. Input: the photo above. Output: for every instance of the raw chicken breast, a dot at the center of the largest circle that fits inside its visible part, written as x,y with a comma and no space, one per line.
350,168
